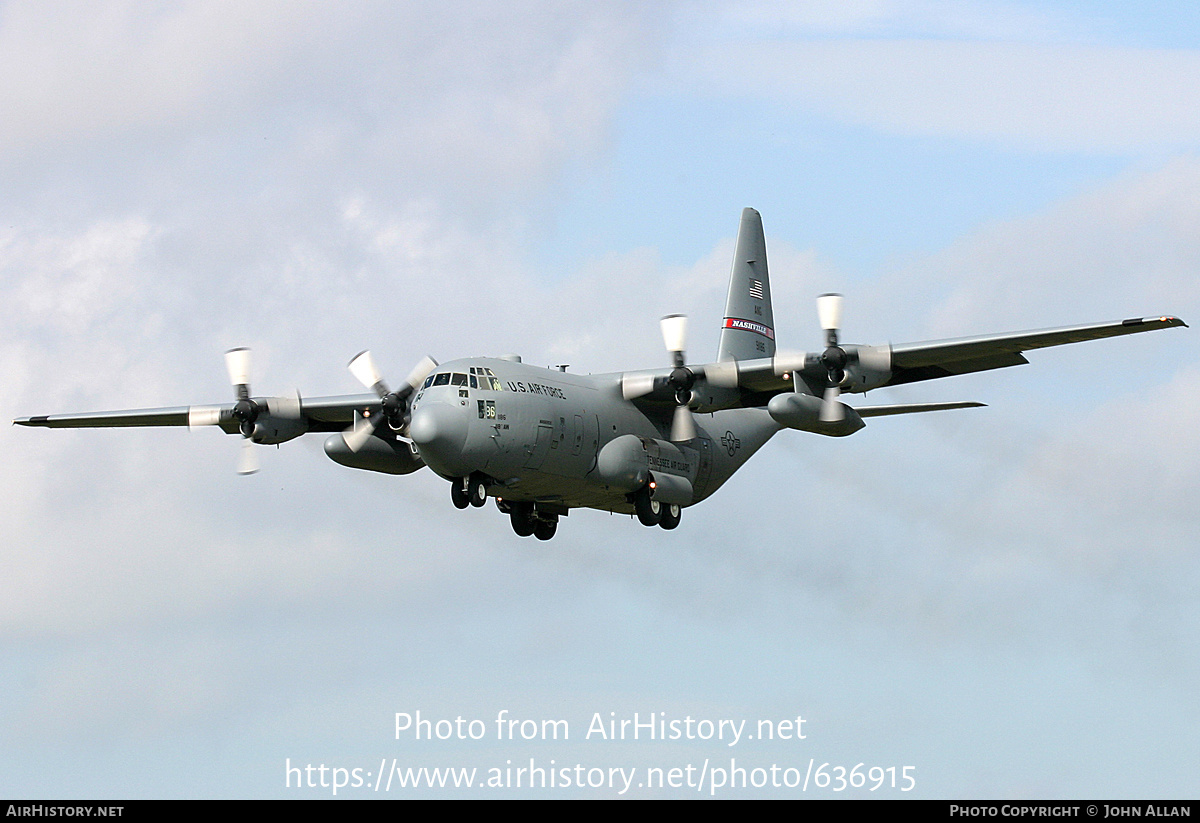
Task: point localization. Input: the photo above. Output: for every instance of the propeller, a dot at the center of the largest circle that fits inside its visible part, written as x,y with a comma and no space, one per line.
262,420
681,379
834,358
245,410
393,404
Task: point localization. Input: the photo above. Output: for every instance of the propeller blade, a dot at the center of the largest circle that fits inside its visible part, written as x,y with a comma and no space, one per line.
682,426
831,409
203,416
636,385
674,333
237,362
363,430
247,458
723,375
284,407
362,366
829,311
417,376
878,358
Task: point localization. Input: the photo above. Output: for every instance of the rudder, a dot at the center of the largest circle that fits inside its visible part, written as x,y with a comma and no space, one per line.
748,329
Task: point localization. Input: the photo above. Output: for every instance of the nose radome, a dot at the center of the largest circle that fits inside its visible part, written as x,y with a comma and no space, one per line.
440,431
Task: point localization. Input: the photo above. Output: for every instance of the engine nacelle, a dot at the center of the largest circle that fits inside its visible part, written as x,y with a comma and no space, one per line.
377,455
277,420
803,412
270,430
871,370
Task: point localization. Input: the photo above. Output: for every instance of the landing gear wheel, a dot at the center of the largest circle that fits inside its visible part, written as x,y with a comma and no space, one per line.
522,520
545,529
649,512
458,493
477,490
670,517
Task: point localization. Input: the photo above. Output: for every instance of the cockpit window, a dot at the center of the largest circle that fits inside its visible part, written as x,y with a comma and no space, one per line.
479,378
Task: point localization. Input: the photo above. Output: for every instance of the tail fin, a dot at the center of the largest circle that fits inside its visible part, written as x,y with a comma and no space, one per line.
748,330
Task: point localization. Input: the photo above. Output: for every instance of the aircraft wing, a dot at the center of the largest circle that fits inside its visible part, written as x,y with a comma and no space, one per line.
911,362
318,414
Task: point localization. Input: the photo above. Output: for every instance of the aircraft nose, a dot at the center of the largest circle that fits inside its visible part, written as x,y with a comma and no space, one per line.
440,431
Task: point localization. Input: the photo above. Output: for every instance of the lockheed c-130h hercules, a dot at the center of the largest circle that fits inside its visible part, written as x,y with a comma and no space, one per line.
649,443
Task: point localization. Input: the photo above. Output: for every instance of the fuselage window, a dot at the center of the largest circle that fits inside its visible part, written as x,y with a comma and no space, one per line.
458,379
441,379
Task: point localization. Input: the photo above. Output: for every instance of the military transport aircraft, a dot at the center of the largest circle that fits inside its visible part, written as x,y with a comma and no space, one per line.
649,443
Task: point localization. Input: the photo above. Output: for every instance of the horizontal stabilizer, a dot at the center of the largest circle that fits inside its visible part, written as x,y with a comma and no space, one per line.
913,408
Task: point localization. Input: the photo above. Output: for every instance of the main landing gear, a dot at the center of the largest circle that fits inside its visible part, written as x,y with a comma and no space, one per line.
651,512
469,491
526,520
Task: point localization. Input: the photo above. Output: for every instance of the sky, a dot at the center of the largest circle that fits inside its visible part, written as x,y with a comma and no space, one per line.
992,603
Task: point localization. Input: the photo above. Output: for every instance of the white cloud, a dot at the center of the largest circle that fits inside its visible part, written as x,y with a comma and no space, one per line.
1012,93
866,18
1124,249
282,612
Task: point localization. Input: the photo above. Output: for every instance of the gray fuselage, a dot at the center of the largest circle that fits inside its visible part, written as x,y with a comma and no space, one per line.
545,435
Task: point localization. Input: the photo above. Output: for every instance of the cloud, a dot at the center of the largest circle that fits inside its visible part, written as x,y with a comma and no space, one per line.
1043,96
1124,248
381,186
881,18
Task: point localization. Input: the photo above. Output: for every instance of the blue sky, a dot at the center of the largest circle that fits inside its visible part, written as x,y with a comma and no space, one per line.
1002,599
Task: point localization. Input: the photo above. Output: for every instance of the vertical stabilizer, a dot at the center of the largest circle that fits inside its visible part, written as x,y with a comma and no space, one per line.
748,330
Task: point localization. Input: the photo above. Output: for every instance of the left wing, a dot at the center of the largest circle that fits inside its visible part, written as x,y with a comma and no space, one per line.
754,382
942,358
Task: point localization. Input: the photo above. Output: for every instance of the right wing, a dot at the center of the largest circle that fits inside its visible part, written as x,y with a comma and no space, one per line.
320,414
